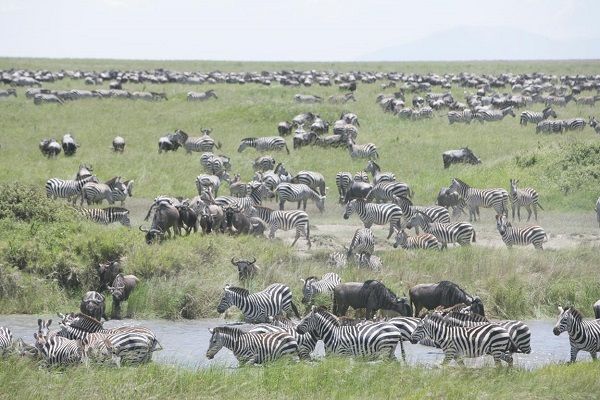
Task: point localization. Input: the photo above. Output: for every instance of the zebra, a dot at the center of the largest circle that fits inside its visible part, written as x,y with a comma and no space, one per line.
533,234
337,260
527,197
306,342
142,96
46,98
425,241
6,338
59,351
361,176
312,286
285,220
363,242
535,117
196,96
202,143
314,180
75,94
122,190
436,213
251,348
107,215
254,198
342,98
457,232
368,150
406,326
275,143
214,164
594,124
257,307
494,115
307,98
8,93
378,176
93,192
380,214
386,191
549,126
560,101
369,261
342,181
204,181
67,189
583,335
370,340
298,192
263,163
496,198
464,116
458,342
573,124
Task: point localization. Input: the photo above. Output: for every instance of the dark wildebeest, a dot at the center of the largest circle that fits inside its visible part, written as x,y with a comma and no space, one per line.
246,269
122,287
107,272
357,190
463,155
597,309
166,217
167,143
94,305
432,295
371,295
188,220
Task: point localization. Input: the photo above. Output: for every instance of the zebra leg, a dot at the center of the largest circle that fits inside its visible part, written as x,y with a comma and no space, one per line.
528,208
574,352
402,350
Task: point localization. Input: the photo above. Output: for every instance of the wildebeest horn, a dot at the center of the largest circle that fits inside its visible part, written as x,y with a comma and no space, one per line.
233,262
253,261
144,230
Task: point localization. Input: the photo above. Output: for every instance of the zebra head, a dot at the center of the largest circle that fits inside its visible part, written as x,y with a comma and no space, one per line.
226,300
565,319
308,290
310,323
216,343
400,238
423,331
349,208
502,224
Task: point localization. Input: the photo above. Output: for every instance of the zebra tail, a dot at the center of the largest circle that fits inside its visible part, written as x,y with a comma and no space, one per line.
295,309
218,145
287,149
540,206
473,237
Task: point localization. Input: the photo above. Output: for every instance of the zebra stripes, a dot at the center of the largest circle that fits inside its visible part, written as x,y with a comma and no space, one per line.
285,220
526,197
298,192
386,191
549,126
342,98
202,143
342,181
464,116
573,124
536,116
6,339
67,189
312,286
95,192
583,335
456,232
378,176
201,96
107,215
363,242
257,307
46,98
306,342
122,190
275,143
368,150
337,260
59,351
254,198
436,213
251,348
425,241
369,261
369,340
533,234
496,198
314,180
379,214
494,115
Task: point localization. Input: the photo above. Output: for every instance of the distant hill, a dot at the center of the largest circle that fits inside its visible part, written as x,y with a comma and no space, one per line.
470,43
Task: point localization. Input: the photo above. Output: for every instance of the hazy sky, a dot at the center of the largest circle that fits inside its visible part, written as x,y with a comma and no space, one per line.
266,30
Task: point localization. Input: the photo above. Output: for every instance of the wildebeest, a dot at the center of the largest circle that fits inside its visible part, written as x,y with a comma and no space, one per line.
188,219
166,217
357,190
285,128
107,272
69,144
447,199
94,305
120,290
463,155
371,295
167,143
246,269
118,144
50,148
432,295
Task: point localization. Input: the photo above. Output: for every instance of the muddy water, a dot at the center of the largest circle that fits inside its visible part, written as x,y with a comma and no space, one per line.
185,343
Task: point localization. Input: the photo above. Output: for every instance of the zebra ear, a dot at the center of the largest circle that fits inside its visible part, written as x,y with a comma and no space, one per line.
302,280
210,330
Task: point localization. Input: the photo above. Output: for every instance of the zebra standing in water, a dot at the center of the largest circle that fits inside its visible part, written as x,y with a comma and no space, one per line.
583,335
380,214
464,116
251,348
201,96
425,241
257,307
456,232
6,339
56,350
285,220
67,189
298,192
533,234
526,197
363,242
107,215
496,198
275,143
312,286
307,342
536,116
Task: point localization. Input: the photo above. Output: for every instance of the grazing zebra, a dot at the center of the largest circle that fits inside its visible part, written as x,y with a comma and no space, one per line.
533,234
380,214
368,150
298,192
122,190
436,213
342,181
370,340
307,342
148,96
363,242
307,98
583,335
464,116
257,307
549,126
46,98
285,220
342,98
526,197
458,342
560,101
204,181
425,241
573,124
496,198
378,176
386,191
494,115
6,339
369,261
314,180
312,286
337,260
107,215
251,348
275,143
196,96
67,189
536,116
202,143
8,93
594,124
456,232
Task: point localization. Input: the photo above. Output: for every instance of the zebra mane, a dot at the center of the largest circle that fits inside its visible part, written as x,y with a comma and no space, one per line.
577,316
115,209
229,330
112,181
311,278
324,312
377,168
462,183
82,321
281,321
238,290
248,138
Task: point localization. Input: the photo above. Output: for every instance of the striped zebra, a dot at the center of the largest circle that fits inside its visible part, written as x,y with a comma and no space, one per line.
363,242
496,198
142,96
379,214
6,339
536,116
307,342
573,124
313,286
337,260
67,189
526,197
560,101
342,181
254,198
386,191
122,191
76,94
215,165
251,348
436,213
345,130
107,215
298,192
370,340
464,116
549,126
583,335
204,181
361,176
202,143
307,98
257,307
369,261
378,176
263,163
406,326
201,96
458,342
422,113
425,241
8,93
494,115
314,180
59,351
456,232
533,234
275,143
342,98
368,150
93,192
46,98
285,220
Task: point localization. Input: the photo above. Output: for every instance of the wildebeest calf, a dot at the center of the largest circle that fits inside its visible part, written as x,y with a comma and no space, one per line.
122,287
371,295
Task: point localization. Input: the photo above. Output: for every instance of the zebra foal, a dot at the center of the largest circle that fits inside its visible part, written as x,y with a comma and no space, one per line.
583,335
526,197
312,286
